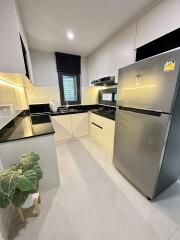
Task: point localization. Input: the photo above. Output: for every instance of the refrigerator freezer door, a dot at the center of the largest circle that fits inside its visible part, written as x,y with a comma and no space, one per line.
150,84
138,150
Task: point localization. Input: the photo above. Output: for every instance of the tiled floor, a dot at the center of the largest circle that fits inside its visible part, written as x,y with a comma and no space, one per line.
95,202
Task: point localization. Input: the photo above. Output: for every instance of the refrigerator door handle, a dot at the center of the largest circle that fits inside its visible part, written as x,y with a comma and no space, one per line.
142,111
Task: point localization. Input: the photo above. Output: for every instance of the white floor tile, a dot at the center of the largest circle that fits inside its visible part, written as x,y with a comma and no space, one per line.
176,235
95,202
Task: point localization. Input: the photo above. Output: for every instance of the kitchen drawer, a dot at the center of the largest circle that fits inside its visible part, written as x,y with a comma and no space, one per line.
96,132
96,119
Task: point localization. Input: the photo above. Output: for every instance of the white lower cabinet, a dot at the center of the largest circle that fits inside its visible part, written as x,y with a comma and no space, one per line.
62,127
108,133
80,126
96,132
70,126
102,130
76,125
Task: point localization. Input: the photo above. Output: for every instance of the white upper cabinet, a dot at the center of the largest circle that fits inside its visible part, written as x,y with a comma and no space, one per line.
109,60
99,64
12,60
117,53
125,48
105,61
161,20
91,68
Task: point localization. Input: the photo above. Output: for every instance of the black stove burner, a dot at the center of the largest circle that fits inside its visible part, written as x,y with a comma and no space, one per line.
106,112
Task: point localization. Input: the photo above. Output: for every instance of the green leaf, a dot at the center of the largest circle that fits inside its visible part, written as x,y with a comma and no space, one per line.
19,198
35,190
28,181
26,165
38,171
4,200
32,157
9,181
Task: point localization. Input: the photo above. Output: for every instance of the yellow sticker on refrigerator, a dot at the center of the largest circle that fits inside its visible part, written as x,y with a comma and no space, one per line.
169,66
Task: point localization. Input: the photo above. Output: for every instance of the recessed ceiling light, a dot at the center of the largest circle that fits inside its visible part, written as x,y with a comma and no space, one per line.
70,35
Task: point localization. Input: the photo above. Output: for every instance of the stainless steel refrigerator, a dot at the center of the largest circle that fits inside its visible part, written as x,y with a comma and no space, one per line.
147,132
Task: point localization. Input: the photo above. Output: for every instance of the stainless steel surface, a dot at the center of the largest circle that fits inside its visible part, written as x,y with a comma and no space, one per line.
147,134
170,169
146,85
139,142
67,110
106,81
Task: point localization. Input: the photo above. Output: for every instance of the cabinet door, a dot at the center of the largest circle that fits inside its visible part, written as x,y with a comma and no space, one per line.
109,60
80,124
91,66
62,127
11,60
99,64
96,132
108,133
125,48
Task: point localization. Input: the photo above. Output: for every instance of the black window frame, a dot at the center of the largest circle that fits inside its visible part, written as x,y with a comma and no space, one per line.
61,88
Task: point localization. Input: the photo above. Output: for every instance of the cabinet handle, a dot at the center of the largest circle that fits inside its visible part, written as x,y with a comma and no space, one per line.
97,125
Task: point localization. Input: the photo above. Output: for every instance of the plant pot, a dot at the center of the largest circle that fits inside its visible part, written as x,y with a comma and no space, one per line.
29,202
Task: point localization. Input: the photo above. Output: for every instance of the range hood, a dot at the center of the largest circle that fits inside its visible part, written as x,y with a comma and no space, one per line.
106,81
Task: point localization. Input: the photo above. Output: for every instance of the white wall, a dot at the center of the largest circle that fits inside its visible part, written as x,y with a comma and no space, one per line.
46,87
44,69
161,20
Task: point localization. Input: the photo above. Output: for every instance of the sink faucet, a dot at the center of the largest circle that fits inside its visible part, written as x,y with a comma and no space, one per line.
67,105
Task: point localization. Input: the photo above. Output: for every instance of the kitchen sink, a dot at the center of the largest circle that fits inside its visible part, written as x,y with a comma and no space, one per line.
64,110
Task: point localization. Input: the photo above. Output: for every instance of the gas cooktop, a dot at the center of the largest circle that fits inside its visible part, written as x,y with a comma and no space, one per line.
108,112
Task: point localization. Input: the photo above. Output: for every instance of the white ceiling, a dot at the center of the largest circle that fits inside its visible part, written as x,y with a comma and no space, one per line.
46,22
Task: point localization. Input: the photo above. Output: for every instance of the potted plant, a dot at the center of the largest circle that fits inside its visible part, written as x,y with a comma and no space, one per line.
20,181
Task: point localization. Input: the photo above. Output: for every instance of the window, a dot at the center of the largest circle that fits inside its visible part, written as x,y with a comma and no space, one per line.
69,85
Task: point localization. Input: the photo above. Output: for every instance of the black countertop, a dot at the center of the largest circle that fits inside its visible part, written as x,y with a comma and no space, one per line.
26,126
106,115
96,108
68,112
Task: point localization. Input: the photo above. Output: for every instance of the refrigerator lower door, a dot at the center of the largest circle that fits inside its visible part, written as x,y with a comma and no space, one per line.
139,145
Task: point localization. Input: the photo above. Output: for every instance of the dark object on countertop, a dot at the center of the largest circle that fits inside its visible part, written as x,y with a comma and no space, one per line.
40,108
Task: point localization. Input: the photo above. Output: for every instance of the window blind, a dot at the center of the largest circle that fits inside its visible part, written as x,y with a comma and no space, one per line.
68,63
